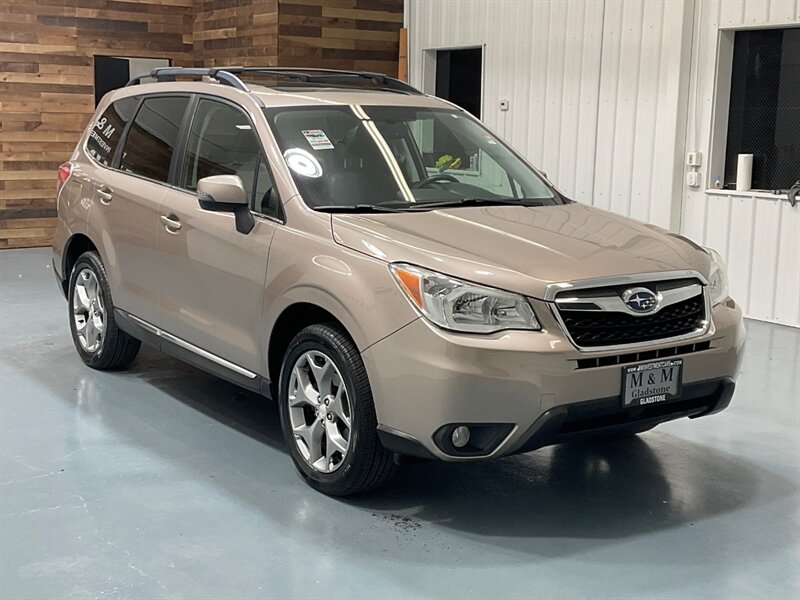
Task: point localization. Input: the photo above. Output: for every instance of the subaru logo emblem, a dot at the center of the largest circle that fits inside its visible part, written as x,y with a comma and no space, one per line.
640,300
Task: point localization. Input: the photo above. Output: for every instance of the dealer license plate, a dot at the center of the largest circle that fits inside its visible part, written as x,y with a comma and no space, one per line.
652,382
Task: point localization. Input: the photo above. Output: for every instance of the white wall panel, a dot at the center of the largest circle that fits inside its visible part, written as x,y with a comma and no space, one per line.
544,57
758,235
765,257
786,303
594,89
641,126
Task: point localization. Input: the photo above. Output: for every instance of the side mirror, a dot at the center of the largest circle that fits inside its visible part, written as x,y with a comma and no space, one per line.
226,193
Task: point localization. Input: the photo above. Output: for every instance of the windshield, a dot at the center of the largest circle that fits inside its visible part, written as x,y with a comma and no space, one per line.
401,158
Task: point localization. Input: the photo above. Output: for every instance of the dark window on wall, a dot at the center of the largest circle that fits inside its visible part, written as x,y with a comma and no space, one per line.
114,72
764,116
458,78
110,73
107,131
151,140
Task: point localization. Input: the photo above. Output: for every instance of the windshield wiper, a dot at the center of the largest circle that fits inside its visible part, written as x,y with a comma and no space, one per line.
356,208
477,202
396,207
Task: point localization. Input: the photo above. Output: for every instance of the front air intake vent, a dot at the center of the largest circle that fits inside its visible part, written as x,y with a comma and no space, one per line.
623,359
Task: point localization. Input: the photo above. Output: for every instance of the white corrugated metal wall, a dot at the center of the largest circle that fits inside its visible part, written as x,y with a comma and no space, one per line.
600,93
641,121
542,57
758,234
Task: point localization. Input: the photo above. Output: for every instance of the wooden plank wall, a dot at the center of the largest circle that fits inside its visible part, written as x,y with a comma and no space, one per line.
340,34
236,32
336,34
47,89
47,48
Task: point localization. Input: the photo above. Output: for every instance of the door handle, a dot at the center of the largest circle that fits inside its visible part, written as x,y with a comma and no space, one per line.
105,195
171,223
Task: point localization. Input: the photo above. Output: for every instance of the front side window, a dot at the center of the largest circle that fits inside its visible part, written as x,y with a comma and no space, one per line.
151,140
107,130
222,142
400,158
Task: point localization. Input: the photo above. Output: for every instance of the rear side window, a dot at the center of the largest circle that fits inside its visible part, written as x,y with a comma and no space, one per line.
107,131
152,137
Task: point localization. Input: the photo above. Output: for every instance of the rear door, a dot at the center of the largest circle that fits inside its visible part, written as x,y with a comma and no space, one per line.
91,168
124,218
212,277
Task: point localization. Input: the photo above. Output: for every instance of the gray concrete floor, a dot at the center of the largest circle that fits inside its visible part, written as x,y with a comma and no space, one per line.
166,482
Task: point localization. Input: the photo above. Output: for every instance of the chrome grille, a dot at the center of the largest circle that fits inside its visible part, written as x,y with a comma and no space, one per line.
598,317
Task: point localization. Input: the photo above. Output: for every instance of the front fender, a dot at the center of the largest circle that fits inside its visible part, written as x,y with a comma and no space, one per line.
356,289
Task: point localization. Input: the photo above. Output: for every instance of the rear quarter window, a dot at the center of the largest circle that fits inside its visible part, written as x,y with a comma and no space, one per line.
107,130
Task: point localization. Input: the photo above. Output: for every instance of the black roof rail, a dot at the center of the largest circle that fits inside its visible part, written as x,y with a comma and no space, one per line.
228,76
315,75
170,73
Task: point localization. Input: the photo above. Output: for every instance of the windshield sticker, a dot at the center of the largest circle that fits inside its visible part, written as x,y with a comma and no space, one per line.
317,139
302,162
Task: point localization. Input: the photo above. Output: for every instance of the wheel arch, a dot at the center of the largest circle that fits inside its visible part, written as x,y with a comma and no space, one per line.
293,319
77,244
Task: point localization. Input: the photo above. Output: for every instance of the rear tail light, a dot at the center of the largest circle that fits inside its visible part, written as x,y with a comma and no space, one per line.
64,171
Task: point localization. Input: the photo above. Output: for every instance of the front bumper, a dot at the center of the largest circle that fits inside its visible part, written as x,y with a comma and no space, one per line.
521,390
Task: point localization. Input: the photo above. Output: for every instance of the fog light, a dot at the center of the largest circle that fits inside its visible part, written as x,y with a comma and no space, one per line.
460,436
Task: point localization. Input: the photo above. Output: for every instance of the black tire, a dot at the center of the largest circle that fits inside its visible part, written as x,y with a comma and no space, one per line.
367,464
116,349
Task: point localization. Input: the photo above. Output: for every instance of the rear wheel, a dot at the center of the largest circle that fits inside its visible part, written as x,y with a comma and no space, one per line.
328,416
98,340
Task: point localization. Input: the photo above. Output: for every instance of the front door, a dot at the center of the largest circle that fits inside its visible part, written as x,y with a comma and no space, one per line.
211,277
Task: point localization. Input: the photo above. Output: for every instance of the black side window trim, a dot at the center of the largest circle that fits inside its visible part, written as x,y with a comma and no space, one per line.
124,140
183,142
123,134
176,166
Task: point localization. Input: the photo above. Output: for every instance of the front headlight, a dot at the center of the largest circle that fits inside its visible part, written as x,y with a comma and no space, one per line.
462,306
718,278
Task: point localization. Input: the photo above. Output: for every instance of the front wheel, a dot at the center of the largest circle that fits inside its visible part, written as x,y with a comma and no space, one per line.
98,340
328,416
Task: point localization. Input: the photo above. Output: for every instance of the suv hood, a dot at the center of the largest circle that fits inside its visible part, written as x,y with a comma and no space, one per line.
517,248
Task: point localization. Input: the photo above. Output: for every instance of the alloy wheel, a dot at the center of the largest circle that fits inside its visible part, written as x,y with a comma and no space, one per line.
88,311
319,411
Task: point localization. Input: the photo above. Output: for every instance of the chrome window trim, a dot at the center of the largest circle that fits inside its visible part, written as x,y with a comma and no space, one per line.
191,347
555,288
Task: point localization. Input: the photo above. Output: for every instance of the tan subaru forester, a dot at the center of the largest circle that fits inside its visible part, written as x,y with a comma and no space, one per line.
400,280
